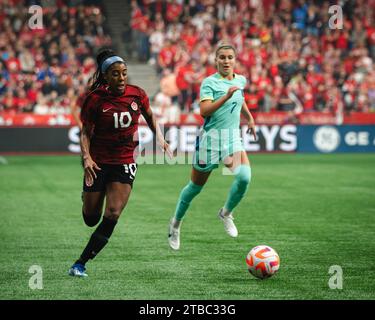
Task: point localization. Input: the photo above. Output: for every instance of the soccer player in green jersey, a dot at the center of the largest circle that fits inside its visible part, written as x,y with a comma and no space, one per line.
221,104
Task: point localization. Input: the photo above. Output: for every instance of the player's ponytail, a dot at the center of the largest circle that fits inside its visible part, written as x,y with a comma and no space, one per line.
97,78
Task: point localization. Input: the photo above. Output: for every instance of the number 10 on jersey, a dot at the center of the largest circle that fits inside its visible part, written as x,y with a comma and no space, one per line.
119,120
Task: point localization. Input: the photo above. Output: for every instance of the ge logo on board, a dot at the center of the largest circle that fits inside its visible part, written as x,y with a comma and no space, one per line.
326,139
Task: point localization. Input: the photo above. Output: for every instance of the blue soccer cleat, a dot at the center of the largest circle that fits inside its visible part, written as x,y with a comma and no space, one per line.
78,270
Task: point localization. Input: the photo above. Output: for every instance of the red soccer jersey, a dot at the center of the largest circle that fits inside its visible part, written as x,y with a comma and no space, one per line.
115,123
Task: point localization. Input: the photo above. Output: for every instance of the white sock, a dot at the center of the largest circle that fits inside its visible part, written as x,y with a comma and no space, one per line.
226,213
175,223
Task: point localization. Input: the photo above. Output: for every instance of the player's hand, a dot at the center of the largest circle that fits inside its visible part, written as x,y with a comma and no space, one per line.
251,129
231,91
165,147
90,166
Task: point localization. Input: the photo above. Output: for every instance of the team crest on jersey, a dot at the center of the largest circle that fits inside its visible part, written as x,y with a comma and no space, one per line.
134,106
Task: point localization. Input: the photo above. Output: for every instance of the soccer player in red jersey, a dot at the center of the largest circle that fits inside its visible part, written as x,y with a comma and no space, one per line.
110,114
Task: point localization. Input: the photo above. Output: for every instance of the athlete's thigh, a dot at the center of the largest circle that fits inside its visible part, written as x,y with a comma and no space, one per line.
244,158
199,177
117,196
93,202
236,159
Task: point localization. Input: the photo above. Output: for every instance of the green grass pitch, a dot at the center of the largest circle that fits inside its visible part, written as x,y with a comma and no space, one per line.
314,210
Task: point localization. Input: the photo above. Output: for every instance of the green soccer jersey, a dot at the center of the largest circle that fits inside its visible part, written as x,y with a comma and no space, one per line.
228,115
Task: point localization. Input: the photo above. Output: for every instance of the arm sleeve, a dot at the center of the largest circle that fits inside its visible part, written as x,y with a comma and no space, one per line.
206,91
89,109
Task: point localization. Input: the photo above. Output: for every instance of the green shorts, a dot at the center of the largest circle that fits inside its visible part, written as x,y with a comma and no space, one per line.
209,151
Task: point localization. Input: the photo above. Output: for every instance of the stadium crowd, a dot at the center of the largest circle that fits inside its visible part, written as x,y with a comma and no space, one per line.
294,61
292,57
43,70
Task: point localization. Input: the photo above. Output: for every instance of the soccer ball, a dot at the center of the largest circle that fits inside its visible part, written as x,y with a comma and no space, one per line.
262,261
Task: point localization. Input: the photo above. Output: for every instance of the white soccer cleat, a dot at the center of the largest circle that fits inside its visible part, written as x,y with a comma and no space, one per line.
229,225
174,237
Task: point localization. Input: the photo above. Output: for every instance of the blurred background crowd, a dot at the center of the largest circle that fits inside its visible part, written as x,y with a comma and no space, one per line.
286,49
293,60
44,70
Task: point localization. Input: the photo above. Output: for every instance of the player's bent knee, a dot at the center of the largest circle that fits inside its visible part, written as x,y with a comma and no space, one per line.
91,220
113,213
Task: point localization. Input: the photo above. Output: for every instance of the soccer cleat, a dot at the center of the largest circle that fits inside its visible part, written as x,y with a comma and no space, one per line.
229,225
78,270
174,237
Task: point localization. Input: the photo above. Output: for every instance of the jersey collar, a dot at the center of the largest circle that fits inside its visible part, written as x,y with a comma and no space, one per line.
220,77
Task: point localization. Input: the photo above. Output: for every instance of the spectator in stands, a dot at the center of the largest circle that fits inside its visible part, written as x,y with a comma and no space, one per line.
9,102
166,58
189,78
47,86
312,21
27,62
252,97
173,32
349,95
321,98
157,7
300,14
12,62
23,103
140,23
168,85
164,109
41,106
156,42
184,81
174,10
289,101
32,90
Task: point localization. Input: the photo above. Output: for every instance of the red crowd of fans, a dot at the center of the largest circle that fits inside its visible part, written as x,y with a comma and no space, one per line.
43,70
295,54
292,53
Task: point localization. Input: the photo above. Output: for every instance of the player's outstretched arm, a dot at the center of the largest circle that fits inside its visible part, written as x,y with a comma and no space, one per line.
155,128
208,107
